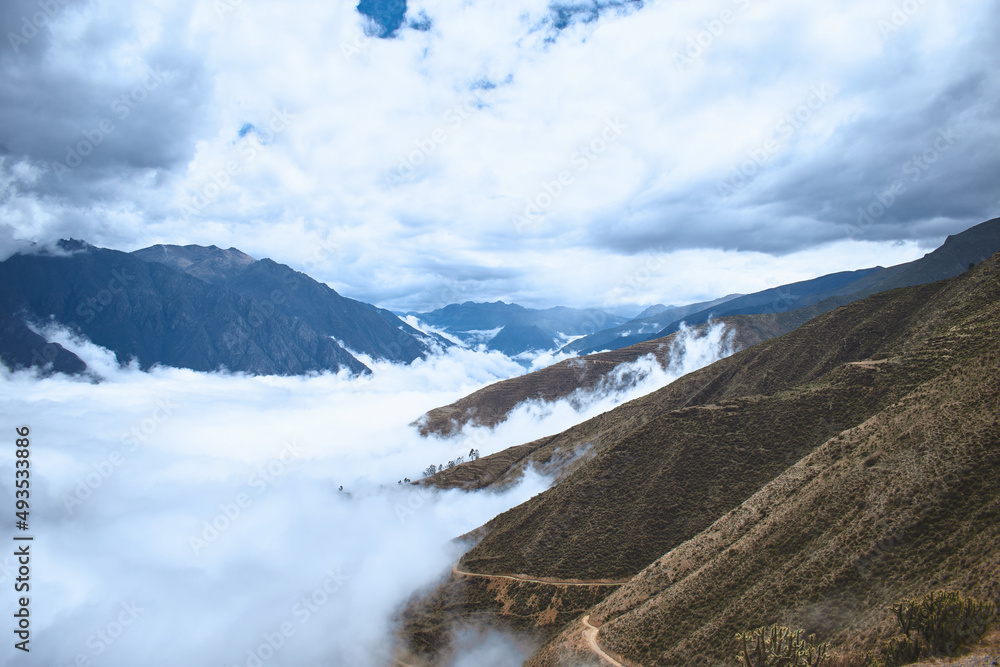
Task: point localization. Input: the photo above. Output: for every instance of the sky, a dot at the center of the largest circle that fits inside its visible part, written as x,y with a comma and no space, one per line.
610,154
186,518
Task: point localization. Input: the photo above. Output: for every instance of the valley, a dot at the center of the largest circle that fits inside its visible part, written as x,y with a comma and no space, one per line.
737,456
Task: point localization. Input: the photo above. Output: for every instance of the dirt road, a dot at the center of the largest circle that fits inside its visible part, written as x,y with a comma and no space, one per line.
590,632
553,582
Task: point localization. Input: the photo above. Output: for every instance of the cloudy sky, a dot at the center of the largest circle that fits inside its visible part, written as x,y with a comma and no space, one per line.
605,153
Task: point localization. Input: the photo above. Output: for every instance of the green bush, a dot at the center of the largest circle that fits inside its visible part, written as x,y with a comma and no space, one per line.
777,646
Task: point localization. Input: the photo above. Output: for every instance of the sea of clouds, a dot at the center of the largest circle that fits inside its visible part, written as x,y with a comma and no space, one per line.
217,519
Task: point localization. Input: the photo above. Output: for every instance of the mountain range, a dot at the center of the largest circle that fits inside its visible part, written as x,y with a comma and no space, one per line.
811,480
650,321
841,460
196,307
523,329
958,251
751,319
208,308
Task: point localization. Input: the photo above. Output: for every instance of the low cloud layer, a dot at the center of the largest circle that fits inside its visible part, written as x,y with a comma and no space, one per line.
505,150
191,518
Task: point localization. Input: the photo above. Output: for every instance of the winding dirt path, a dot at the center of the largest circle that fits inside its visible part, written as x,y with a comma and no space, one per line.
551,582
590,632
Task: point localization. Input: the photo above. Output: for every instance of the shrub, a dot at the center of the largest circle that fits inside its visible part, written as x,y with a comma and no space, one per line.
939,623
945,620
777,646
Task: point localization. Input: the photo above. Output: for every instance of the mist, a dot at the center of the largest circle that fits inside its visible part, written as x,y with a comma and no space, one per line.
691,349
218,519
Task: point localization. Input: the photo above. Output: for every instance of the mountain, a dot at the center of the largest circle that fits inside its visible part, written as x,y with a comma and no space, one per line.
190,307
773,300
492,404
514,339
469,321
210,264
23,348
359,327
956,254
812,480
972,246
680,311
655,309
650,321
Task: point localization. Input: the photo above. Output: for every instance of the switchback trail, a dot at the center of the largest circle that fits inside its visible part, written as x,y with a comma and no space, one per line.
552,582
590,632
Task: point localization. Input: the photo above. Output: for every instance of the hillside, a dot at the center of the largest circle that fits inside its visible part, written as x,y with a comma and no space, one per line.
868,435
972,246
23,348
900,505
647,323
491,405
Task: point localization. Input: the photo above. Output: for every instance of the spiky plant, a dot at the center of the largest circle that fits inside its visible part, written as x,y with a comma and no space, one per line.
778,646
945,620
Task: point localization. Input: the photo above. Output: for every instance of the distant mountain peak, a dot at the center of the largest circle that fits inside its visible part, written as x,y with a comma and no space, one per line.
655,309
73,245
198,307
514,339
210,264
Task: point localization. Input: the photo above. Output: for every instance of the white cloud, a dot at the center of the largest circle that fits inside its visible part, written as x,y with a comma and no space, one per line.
210,504
483,111
188,517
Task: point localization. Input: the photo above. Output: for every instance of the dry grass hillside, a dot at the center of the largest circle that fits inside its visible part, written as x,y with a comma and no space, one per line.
491,405
809,480
561,454
903,503
673,462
